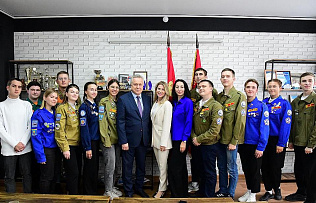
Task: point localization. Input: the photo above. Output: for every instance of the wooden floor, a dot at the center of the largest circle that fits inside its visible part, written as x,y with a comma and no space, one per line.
286,188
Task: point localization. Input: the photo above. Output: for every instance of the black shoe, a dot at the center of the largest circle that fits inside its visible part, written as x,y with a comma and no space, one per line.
128,195
219,194
277,194
266,197
295,197
142,193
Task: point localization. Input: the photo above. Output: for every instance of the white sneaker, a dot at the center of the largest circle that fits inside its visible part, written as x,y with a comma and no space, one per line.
193,187
245,196
110,194
116,191
252,197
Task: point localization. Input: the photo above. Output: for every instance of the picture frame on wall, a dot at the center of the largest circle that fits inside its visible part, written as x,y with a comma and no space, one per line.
144,75
295,80
285,77
124,81
267,76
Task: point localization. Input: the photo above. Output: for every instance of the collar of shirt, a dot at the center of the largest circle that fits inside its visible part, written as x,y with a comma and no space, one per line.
140,99
232,90
272,100
201,102
253,102
309,98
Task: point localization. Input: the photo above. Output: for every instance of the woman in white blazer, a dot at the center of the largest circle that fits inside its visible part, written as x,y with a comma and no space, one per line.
161,116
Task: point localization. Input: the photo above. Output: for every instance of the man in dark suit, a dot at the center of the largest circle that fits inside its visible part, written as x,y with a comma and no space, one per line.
134,133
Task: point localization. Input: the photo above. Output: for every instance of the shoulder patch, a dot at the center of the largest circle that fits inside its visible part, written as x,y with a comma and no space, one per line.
83,121
288,120
57,126
219,121
100,117
243,104
101,109
34,132
243,112
58,116
266,114
220,112
34,123
82,113
289,112
266,121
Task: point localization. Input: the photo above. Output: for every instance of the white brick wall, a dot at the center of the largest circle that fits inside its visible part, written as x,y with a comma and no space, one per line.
245,52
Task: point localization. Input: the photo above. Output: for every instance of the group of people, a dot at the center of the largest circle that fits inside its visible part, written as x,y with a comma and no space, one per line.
212,126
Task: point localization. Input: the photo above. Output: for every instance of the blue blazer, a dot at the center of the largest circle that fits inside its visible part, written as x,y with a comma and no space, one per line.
131,127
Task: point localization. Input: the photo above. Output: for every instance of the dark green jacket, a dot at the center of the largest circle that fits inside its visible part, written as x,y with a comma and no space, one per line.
107,121
35,106
235,109
195,97
303,131
207,122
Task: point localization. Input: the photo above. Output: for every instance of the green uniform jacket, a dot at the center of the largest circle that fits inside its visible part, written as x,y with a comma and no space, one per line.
67,129
35,106
195,97
303,132
207,122
107,121
235,108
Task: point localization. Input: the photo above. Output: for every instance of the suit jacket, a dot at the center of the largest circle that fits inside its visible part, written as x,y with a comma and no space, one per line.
132,128
161,116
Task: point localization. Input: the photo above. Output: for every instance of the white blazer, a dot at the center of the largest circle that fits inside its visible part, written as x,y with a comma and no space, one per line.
161,117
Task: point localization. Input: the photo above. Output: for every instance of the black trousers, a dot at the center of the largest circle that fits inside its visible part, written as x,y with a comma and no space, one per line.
196,162
73,170
251,166
127,160
91,169
208,172
302,168
311,187
272,164
48,171
10,164
177,171
35,170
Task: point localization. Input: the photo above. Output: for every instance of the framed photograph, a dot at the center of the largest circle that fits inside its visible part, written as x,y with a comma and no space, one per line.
285,77
295,80
267,76
124,81
144,75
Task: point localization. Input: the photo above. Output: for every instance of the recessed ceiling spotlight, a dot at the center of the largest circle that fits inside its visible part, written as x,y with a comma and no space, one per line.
165,19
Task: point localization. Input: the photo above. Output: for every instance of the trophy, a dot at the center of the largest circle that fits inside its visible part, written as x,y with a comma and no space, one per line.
28,72
99,79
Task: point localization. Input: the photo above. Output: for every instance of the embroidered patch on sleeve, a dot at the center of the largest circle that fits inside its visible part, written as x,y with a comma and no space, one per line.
83,122
58,116
34,123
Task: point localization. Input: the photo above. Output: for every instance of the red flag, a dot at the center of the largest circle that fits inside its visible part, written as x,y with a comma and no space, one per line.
197,63
170,69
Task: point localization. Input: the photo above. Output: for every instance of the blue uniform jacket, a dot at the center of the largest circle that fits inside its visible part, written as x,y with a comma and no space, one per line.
182,119
43,133
280,119
89,124
257,124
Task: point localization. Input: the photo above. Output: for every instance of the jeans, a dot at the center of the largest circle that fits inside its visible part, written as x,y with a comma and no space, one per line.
10,163
109,165
227,162
208,171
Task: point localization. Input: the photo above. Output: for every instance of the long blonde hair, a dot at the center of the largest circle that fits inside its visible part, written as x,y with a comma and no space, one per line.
46,94
165,86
